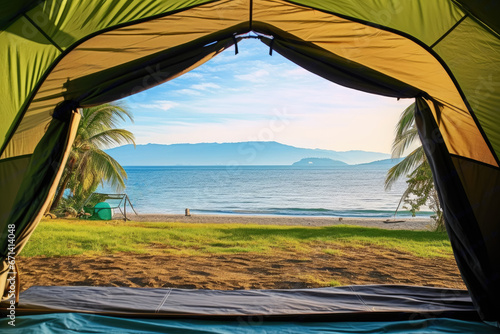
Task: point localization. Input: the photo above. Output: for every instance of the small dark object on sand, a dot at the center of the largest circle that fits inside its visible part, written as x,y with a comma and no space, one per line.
392,221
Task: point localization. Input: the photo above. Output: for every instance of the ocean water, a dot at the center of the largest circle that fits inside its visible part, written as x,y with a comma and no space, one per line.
347,191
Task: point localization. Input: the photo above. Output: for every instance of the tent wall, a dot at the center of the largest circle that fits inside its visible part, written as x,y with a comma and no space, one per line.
475,67
474,239
91,51
12,173
38,187
23,62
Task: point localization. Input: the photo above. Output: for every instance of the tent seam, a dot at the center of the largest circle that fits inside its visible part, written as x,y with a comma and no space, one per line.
474,161
250,16
43,33
449,31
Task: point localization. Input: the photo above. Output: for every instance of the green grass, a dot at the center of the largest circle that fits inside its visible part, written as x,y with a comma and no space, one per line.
330,251
80,237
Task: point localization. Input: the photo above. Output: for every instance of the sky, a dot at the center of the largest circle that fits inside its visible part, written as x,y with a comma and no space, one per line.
253,96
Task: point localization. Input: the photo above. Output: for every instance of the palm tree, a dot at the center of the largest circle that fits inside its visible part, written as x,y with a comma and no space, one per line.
414,166
88,165
406,136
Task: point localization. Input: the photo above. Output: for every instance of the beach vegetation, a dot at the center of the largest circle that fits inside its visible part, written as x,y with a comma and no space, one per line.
331,251
319,281
420,189
88,165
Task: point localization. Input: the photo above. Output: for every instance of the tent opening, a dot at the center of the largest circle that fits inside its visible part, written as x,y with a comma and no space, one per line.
230,124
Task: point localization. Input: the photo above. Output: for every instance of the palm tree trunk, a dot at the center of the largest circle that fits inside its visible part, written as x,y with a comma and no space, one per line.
60,192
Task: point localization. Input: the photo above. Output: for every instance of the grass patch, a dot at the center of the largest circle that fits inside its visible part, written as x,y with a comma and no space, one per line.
334,282
79,237
318,281
330,251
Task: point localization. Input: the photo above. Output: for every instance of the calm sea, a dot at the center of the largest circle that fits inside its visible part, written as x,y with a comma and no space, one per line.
347,191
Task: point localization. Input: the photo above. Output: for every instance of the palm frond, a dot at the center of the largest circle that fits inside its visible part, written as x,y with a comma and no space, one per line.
108,169
406,120
406,166
106,116
405,133
402,143
111,137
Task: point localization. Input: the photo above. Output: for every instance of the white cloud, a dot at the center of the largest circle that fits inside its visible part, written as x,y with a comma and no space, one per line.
192,75
185,91
165,105
296,72
205,86
159,104
256,76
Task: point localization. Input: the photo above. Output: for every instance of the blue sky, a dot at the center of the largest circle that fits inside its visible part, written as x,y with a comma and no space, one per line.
254,96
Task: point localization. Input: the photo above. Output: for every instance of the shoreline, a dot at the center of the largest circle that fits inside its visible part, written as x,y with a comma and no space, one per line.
402,223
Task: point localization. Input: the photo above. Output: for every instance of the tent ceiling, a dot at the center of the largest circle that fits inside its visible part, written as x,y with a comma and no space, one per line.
485,11
363,44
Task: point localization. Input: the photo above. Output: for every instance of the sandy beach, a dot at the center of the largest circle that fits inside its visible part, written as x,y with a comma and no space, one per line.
407,223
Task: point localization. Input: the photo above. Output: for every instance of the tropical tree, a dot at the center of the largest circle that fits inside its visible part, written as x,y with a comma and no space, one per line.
88,165
406,136
420,184
421,191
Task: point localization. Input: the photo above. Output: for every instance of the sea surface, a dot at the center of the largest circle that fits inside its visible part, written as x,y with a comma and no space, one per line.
346,191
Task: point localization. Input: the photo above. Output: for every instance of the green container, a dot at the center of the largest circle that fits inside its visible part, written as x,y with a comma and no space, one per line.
102,211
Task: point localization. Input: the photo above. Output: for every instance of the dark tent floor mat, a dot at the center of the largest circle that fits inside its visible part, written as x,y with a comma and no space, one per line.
359,302
64,323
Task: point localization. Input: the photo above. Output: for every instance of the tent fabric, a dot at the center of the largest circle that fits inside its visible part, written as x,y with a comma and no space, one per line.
479,80
340,70
444,51
12,173
89,324
484,11
45,167
472,237
127,79
360,303
13,9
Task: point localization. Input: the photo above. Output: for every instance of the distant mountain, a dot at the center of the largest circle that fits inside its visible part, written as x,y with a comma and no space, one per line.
244,153
318,162
384,162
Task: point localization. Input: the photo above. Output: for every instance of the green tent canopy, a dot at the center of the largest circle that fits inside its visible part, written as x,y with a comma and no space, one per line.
59,56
